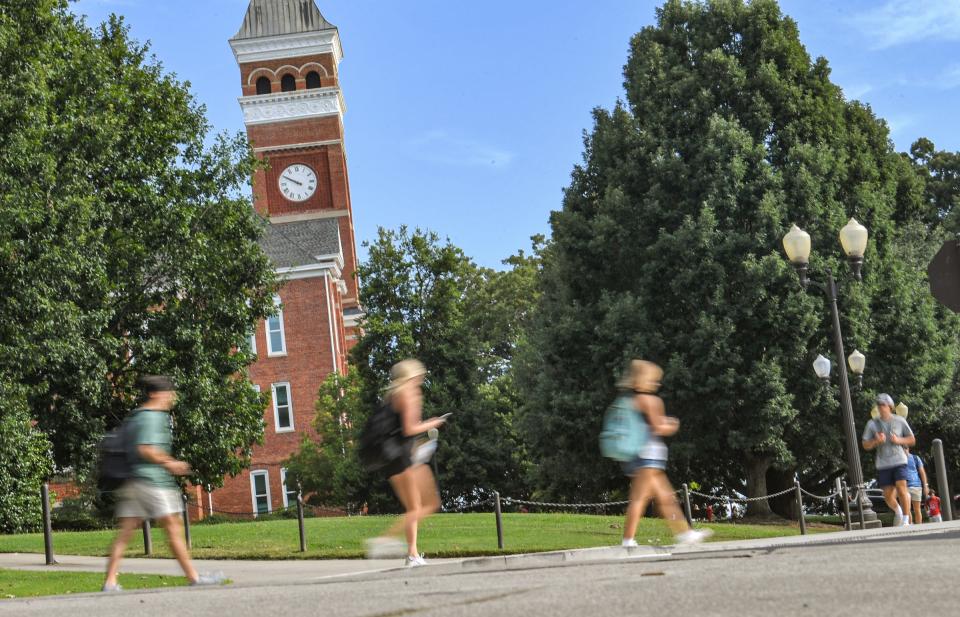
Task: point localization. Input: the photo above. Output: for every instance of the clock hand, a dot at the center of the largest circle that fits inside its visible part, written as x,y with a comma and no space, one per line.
292,180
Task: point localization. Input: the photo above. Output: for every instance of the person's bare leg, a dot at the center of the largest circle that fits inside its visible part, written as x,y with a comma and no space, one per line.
640,485
890,496
127,526
174,528
404,489
917,516
427,489
904,495
667,503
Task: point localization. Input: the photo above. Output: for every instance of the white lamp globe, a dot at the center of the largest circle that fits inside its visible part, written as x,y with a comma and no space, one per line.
821,366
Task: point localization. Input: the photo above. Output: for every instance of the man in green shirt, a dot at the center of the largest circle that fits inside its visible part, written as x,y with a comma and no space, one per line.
152,492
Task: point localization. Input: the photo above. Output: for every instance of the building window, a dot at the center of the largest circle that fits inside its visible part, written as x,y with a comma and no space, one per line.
282,407
289,492
264,86
276,343
260,491
288,83
313,80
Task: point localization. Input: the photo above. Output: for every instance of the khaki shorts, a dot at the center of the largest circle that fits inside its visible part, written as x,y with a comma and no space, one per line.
139,499
916,493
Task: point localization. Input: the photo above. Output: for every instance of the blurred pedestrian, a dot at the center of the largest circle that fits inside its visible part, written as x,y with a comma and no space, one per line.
916,484
709,513
411,479
647,472
933,507
888,433
152,492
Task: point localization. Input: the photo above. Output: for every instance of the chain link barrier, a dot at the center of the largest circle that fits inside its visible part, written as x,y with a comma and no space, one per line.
820,497
547,504
742,499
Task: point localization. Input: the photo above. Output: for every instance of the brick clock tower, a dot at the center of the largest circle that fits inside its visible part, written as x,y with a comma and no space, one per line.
293,110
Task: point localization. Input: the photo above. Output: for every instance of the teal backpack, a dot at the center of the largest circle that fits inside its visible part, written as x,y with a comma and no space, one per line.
624,432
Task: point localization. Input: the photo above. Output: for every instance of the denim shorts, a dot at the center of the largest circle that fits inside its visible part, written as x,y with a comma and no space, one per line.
891,475
631,467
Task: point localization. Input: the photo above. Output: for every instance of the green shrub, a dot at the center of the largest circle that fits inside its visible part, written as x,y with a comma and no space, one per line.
25,462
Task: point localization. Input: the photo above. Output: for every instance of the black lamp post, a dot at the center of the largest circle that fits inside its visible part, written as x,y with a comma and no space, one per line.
853,238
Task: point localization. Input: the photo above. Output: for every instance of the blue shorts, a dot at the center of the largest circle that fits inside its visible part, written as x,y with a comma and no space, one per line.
891,475
631,467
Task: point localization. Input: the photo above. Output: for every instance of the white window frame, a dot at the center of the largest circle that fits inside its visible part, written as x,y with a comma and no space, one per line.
271,352
276,412
253,491
253,342
283,485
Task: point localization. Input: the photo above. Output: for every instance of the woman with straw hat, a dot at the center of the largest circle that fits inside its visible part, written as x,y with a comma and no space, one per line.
411,480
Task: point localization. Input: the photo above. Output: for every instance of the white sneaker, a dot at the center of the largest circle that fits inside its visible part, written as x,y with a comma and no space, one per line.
898,521
414,561
629,543
385,548
693,536
906,521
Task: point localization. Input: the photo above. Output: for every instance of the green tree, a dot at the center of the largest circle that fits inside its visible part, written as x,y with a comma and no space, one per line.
668,247
126,246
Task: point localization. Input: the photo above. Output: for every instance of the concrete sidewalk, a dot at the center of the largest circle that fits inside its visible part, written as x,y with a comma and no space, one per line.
253,573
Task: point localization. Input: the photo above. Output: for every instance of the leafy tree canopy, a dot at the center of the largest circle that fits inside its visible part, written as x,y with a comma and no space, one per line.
668,247
125,244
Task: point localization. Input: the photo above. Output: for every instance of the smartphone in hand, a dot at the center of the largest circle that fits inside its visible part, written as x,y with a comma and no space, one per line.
445,416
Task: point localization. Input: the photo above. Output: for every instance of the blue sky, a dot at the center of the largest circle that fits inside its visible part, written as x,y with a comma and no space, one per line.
467,118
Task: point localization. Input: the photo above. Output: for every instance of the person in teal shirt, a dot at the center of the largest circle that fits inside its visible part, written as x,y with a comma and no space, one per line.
152,491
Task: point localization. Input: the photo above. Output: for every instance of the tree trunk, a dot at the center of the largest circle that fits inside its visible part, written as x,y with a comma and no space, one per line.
778,480
757,486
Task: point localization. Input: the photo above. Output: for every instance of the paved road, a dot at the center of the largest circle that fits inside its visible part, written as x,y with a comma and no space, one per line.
821,575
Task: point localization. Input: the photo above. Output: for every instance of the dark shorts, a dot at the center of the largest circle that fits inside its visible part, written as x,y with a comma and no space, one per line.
632,467
891,475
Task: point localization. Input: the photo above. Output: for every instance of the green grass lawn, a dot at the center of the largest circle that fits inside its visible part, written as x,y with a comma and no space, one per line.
443,535
26,584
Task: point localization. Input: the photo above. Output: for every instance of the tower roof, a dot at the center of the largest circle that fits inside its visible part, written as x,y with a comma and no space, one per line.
279,17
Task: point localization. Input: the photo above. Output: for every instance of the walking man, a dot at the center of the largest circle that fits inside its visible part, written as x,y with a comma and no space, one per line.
152,492
888,434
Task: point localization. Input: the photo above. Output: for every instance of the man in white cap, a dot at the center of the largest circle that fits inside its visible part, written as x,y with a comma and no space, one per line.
889,433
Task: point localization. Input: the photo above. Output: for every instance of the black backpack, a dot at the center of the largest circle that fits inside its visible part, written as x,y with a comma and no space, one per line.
381,440
117,457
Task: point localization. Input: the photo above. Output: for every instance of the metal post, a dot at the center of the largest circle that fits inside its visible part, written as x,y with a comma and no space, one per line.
863,524
845,496
303,537
854,471
942,484
496,509
803,519
147,540
47,524
686,505
186,521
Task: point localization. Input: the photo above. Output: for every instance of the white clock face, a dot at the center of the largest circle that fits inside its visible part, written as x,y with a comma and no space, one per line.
298,182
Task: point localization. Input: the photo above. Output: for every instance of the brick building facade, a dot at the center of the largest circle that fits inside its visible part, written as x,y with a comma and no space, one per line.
289,58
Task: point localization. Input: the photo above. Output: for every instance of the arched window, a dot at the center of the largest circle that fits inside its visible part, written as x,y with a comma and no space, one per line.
288,83
263,85
313,79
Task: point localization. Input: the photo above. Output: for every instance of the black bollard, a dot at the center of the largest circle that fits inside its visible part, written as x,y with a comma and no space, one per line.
686,505
803,519
303,537
945,498
147,539
186,522
47,524
496,506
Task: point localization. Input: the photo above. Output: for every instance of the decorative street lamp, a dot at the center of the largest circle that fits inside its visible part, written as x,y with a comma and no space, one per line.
857,362
853,239
821,366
